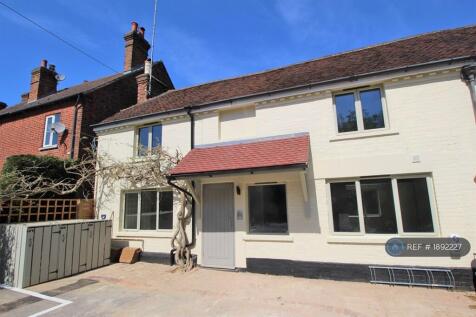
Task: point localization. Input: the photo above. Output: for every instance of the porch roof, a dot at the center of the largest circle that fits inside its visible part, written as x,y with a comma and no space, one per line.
279,152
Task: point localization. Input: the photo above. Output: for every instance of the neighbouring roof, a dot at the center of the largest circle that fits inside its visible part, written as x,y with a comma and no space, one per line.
85,87
274,152
422,49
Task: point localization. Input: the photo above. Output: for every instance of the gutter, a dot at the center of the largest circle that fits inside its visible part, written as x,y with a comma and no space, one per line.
75,122
448,61
468,74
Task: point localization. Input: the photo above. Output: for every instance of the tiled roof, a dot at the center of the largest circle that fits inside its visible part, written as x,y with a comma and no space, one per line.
417,50
274,152
84,87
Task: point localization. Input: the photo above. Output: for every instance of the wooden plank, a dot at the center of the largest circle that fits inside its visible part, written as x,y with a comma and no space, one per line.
30,236
102,243
68,262
62,250
45,254
83,255
107,243
89,261
36,260
10,211
54,249
95,249
78,233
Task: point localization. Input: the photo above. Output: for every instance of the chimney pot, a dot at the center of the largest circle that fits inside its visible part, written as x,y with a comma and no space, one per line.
44,63
52,67
134,26
142,31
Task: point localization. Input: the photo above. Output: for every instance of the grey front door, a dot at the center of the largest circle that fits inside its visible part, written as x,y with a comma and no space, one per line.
218,226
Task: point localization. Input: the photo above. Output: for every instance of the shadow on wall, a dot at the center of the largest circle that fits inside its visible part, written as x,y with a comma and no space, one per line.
7,253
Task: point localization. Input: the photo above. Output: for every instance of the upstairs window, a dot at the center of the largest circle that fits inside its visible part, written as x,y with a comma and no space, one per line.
149,139
359,110
148,210
50,137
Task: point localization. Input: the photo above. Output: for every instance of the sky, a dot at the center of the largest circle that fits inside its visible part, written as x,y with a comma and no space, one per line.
205,40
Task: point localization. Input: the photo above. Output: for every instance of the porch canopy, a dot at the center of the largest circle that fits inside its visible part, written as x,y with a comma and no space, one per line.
271,153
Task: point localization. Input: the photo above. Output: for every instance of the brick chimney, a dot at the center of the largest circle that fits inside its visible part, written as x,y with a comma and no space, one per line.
43,81
137,47
143,82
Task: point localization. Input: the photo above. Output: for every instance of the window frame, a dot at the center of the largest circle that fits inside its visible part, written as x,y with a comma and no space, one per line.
358,109
248,209
396,200
149,138
50,144
138,192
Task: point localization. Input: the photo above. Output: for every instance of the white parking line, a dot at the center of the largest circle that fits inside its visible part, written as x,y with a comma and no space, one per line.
60,301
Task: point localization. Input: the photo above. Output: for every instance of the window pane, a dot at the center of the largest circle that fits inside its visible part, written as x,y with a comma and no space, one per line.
345,109
148,210
379,209
143,145
48,123
268,209
55,134
344,207
130,211
156,136
166,213
372,112
415,205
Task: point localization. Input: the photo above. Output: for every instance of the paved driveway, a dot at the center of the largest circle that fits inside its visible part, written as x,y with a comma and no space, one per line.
145,289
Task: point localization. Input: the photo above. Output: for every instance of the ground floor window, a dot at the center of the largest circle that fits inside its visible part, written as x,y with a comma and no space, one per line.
387,205
267,209
148,210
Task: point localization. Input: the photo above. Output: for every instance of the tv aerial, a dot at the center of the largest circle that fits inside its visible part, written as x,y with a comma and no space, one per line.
58,127
60,77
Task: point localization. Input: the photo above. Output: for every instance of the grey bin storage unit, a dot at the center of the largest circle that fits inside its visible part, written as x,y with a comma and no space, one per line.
33,253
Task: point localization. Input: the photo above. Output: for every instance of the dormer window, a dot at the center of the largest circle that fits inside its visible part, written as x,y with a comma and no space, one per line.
359,110
149,139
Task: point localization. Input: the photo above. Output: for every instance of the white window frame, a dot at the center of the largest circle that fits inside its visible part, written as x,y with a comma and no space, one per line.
396,199
358,110
50,141
138,192
149,138
248,211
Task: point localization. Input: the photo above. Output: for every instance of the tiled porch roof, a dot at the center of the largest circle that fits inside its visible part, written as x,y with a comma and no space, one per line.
275,152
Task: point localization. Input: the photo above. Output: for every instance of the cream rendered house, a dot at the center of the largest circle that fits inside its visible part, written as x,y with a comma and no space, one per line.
309,169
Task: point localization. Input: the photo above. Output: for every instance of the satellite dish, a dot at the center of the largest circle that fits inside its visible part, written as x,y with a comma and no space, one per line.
58,127
60,77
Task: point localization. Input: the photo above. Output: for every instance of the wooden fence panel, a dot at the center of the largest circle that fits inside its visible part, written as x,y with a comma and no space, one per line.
34,210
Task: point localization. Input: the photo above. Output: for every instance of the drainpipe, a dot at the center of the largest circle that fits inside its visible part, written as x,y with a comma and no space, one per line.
169,181
468,74
75,119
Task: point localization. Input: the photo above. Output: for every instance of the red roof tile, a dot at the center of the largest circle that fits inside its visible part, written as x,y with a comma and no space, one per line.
283,151
416,50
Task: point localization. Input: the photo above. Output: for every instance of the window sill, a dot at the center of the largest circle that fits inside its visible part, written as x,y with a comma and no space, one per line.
362,135
267,238
46,148
145,234
373,239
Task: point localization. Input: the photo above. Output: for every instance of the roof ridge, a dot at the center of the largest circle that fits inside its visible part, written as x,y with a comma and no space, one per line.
319,58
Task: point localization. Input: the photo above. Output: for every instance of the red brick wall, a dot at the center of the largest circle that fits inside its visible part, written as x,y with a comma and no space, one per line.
23,134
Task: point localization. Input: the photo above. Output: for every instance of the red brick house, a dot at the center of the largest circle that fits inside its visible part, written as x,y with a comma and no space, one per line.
27,128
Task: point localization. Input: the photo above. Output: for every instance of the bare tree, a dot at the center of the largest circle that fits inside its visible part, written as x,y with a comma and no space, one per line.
148,170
